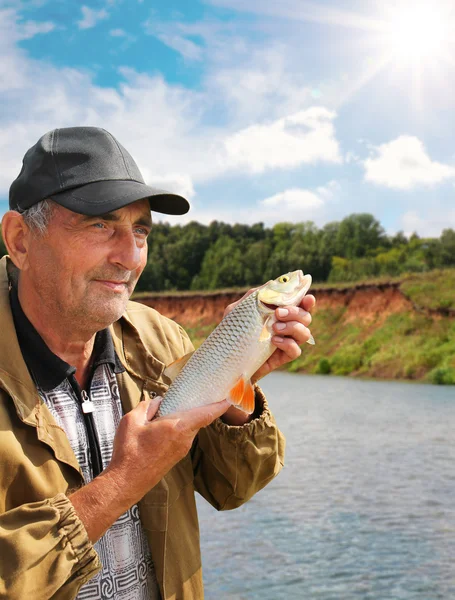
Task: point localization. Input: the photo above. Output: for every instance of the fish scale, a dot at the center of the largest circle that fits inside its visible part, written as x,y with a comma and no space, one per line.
236,348
215,367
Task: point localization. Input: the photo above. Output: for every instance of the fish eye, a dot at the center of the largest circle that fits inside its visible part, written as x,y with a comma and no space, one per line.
283,279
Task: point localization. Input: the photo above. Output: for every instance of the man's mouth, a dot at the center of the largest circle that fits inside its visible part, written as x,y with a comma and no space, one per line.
117,286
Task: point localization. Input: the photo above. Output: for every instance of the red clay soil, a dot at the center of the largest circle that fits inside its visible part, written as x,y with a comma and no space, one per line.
366,303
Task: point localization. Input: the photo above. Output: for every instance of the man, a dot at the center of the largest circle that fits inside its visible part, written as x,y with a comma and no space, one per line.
97,496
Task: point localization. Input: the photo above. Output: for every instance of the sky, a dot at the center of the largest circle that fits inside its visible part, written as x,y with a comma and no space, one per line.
255,110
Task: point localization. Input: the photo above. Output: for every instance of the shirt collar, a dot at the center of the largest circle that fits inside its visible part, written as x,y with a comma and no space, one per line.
47,369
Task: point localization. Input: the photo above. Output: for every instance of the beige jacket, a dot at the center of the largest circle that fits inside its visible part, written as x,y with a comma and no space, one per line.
44,549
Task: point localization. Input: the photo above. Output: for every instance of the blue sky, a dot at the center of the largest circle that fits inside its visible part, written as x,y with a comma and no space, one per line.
256,110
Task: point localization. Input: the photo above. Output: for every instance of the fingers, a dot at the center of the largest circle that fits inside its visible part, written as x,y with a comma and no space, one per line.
308,302
294,330
201,416
288,346
152,407
293,313
291,330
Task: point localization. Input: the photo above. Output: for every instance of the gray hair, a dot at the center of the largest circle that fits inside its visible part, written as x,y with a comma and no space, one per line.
38,216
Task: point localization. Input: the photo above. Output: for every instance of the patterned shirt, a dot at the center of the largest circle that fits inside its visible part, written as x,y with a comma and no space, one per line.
127,568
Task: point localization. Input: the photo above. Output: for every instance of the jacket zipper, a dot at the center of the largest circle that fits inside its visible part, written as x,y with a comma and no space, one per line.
88,408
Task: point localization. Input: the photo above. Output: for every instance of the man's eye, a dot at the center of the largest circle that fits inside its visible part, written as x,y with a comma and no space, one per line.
142,231
99,225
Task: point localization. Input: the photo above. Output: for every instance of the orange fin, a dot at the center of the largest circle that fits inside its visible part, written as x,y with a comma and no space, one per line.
236,393
175,367
242,395
248,400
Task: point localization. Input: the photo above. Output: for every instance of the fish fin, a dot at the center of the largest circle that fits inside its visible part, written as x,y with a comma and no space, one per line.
265,333
175,367
248,399
236,393
311,341
242,395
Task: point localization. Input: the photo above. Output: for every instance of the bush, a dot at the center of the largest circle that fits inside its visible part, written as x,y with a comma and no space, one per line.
323,367
442,376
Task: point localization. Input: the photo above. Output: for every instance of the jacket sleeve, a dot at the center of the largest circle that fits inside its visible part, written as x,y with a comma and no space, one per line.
232,463
44,550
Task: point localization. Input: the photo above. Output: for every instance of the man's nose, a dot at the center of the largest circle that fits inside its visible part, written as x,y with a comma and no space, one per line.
126,250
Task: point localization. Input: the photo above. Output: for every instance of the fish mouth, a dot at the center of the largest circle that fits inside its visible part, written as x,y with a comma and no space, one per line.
271,307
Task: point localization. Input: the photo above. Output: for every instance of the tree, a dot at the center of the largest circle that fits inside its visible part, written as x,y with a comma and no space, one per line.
358,234
448,247
222,266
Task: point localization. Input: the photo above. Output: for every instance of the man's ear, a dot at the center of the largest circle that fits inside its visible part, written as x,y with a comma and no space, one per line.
16,236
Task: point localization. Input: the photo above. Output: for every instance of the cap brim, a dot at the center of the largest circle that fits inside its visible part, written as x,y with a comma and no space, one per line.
101,197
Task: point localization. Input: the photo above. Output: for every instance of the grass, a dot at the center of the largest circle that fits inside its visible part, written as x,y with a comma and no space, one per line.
434,290
406,346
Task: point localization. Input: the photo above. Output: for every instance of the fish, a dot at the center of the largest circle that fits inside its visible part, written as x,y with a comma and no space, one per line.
223,365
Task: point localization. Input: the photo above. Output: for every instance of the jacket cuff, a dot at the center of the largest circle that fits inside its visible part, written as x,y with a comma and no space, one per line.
71,527
262,420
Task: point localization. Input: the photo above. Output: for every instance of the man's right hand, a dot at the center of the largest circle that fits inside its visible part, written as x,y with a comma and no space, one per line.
145,449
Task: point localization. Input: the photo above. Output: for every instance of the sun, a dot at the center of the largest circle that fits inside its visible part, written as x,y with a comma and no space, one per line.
411,42
417,32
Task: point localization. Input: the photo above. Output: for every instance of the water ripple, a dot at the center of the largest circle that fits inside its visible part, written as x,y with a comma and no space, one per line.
364,508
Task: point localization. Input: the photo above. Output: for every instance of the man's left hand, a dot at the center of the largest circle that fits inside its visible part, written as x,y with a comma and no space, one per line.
291,331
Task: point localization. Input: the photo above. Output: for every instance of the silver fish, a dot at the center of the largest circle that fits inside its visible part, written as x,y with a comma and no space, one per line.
223,365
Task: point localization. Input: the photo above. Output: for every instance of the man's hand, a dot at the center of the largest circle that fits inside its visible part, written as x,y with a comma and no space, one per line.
291,331
144,451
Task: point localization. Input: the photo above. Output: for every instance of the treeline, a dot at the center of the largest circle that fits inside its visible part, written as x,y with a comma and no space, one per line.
219,255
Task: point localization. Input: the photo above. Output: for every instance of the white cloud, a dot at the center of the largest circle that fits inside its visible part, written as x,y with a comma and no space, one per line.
405,164
174,35
117,33
29,29
179,183
185,47
305,137
427,222
294,204
294,198
91,17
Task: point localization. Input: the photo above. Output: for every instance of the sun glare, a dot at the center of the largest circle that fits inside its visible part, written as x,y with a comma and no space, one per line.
417,33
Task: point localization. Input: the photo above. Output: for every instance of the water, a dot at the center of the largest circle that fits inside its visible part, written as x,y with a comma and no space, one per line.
364,508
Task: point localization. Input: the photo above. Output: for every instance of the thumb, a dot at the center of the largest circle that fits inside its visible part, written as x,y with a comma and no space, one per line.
152,407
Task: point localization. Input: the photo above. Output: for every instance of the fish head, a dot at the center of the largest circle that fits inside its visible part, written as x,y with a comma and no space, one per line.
286,290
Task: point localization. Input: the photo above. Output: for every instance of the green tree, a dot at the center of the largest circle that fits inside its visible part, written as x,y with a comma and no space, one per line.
222,266
448,247
358,234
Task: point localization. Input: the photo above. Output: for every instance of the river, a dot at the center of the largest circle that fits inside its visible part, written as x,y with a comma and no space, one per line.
364,507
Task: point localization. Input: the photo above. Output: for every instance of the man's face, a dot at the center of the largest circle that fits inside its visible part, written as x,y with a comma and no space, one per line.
86,268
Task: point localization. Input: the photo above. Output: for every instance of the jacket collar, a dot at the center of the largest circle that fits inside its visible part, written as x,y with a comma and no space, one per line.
14,374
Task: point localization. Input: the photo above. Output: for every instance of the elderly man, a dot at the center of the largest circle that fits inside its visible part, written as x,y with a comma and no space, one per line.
97,496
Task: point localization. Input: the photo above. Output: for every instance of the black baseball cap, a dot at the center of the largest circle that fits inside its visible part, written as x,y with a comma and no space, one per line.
86,170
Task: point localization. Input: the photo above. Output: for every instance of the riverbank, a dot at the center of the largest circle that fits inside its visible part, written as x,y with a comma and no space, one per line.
389,329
